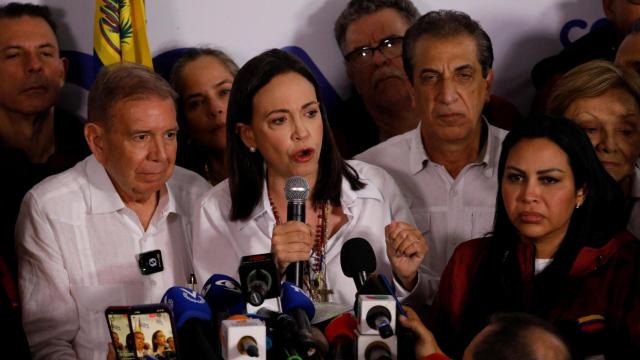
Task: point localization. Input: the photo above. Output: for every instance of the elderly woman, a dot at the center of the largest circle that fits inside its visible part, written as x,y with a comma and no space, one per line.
202,77
604,99
558,249
276,129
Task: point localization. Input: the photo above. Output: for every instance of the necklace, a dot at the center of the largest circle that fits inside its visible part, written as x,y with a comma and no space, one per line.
315,274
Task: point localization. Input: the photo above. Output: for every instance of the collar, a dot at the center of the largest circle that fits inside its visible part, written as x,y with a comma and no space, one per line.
103,197
348,199
488,156
590,259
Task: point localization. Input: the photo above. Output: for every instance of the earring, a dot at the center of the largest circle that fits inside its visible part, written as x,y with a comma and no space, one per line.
578,205
252,149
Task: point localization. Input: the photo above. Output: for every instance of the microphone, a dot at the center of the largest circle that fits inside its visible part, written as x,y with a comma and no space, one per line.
194,324
243,338
284,329
301,308
224,296
340,333
357,260
296,190
260,281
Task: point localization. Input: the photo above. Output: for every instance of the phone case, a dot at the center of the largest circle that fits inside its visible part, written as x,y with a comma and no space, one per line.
120,331
154,332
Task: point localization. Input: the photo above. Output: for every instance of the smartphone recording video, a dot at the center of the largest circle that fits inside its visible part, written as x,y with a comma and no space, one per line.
119,329
153,332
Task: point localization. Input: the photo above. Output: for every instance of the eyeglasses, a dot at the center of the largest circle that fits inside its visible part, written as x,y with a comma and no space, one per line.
389,48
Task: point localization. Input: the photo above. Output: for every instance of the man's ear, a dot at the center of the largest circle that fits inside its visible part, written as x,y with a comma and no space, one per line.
489,80
607,7
94,134
246,135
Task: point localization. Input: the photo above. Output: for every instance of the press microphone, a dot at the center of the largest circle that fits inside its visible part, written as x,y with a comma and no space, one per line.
224,295
296,190
193,319
243,338
259,281
340,333
358,261
284,330
301,308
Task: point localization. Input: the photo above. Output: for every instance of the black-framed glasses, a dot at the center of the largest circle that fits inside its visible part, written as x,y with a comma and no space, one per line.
389,48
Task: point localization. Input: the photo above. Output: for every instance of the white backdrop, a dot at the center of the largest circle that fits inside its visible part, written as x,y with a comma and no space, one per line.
523,32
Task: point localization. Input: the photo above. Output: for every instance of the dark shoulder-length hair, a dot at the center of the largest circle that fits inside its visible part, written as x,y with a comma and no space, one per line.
247,169
498,283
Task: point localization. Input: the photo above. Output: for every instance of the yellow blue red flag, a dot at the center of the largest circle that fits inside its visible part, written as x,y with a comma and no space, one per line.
119,32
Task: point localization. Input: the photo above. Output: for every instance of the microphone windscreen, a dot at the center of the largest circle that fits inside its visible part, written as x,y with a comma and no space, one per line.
296,189
223,294
343,325
293,297
186,304
357,256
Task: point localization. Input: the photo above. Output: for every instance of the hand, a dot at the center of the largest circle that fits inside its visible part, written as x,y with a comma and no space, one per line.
406,248
425,344
291,242
111,355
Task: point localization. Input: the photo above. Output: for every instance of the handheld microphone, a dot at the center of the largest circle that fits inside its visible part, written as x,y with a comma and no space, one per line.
340,333
194,324
244,338
296,190
357,260
301,308
260,281
224,295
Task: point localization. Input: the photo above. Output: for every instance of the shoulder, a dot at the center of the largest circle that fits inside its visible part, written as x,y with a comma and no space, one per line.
188,183
71,183
470,249
370,173
388,151
217,200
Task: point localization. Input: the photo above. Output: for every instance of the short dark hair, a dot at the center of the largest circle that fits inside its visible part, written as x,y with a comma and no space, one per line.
246,169
442,24
124,81
509,338
357,9
16,10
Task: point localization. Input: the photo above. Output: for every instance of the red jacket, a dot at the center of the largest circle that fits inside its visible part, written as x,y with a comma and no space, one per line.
602,304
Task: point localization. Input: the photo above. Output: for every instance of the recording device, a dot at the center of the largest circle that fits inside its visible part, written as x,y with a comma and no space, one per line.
243,339
150,262
224,296
301,308
194,324
296,190
133,326
376,315
372,347
341,334
260,282
120,330
284,330
358,261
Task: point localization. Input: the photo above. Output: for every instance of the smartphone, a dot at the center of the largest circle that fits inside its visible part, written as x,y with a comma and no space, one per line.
120,331
154,331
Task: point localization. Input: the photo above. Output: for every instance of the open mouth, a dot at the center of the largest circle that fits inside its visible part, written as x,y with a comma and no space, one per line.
304,155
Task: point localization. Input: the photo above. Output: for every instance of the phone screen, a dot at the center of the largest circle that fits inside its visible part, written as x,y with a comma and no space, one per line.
118,321
153,332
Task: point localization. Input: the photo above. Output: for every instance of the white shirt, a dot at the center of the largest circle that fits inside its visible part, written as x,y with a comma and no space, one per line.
220,243
448,211
77,244
634,220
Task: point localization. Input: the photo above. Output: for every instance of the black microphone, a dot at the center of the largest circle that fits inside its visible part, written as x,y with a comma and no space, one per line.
259,278
296,190
358,261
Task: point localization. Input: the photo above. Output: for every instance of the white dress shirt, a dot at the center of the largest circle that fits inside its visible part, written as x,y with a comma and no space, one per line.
77,244
220,243
634,220
448,211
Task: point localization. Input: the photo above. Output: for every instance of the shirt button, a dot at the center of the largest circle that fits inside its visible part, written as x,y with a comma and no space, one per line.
153,282
454,193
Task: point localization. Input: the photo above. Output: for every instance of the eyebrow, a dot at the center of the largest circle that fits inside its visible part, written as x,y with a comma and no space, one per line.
286,111
198,94
539,172
20,47
147,131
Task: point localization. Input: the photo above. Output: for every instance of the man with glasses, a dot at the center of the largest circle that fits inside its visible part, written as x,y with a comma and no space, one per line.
447,165
369,34
600,43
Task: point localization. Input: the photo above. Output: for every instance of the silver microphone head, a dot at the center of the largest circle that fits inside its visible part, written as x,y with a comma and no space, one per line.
296,189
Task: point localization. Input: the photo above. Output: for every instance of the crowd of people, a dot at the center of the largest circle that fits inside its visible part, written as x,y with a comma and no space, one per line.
509,236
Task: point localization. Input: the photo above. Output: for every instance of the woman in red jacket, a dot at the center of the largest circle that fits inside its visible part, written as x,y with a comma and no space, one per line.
558,249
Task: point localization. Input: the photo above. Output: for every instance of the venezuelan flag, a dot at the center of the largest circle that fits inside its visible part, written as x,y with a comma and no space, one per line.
119,32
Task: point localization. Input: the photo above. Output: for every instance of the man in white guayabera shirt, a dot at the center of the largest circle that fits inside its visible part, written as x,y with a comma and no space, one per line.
94,235
447,166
